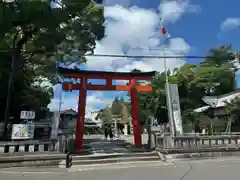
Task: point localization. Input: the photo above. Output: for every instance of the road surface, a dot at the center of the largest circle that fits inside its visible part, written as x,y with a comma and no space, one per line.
219,169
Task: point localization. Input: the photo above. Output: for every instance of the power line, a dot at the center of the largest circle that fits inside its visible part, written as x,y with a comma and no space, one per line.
145,56
157,49
117,55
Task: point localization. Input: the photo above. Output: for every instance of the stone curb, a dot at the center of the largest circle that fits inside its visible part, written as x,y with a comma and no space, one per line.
197,156
52,160
115,158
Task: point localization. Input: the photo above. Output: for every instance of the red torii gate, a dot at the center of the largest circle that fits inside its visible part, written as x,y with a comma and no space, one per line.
83,86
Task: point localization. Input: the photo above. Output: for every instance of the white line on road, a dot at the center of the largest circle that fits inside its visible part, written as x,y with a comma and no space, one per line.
120,166
123,165
209,160
88,168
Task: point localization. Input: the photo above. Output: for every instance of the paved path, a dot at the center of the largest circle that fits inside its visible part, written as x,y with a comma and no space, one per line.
219,169
101,146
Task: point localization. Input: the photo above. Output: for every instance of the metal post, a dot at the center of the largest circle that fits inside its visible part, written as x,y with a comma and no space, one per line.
115,127
169,105
60,102
149,130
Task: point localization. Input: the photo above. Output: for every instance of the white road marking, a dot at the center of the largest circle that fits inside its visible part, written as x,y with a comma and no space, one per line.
89,168
120,166
210,160
123,165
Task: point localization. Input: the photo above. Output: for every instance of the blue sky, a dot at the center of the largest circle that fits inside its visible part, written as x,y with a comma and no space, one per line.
132,27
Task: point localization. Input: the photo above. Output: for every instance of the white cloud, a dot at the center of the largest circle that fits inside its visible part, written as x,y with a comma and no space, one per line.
134,31
123,3
171,11
71,102
137,28
230,23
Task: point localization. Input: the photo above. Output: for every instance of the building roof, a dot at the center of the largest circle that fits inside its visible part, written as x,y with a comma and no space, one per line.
68,112
217,101
220,101
201,109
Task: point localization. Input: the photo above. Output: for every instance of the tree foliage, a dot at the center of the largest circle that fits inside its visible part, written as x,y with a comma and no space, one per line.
213,76
119,109
233,109
39,36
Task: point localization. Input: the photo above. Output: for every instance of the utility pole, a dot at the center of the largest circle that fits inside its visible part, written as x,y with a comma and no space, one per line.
9,94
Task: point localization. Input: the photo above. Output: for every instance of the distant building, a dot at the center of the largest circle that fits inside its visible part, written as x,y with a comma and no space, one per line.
216,105
68,119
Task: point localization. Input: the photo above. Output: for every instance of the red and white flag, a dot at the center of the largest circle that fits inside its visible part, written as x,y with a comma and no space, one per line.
165,32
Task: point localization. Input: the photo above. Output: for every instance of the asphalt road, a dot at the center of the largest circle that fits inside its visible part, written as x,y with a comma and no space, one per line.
219,169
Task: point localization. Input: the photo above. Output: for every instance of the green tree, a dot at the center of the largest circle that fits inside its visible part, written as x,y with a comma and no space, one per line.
233,110
221,55
106,116
213,76
125,113
59,34
38,36
154,104
116,106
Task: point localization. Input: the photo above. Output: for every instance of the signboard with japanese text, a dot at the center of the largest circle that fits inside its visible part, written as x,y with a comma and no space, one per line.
176,111
27,115
22,131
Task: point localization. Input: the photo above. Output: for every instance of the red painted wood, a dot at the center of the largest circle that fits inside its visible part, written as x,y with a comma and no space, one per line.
95,76
135,118
108,82
81,115
139,88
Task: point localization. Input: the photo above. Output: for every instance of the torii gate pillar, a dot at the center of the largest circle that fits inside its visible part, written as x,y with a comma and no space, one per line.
135,116
81,115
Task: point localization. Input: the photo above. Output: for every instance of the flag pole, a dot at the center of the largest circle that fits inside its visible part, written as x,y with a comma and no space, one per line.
164,59
60,96
167,86
60,101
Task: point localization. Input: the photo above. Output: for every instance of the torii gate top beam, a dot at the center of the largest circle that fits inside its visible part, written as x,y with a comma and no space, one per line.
76,73
108,76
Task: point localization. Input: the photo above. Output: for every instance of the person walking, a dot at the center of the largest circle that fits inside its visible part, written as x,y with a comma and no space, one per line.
110,133
106,132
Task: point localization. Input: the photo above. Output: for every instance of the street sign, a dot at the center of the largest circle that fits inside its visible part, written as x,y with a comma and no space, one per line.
27,115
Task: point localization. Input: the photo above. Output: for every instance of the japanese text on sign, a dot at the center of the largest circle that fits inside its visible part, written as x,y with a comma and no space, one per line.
27,115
